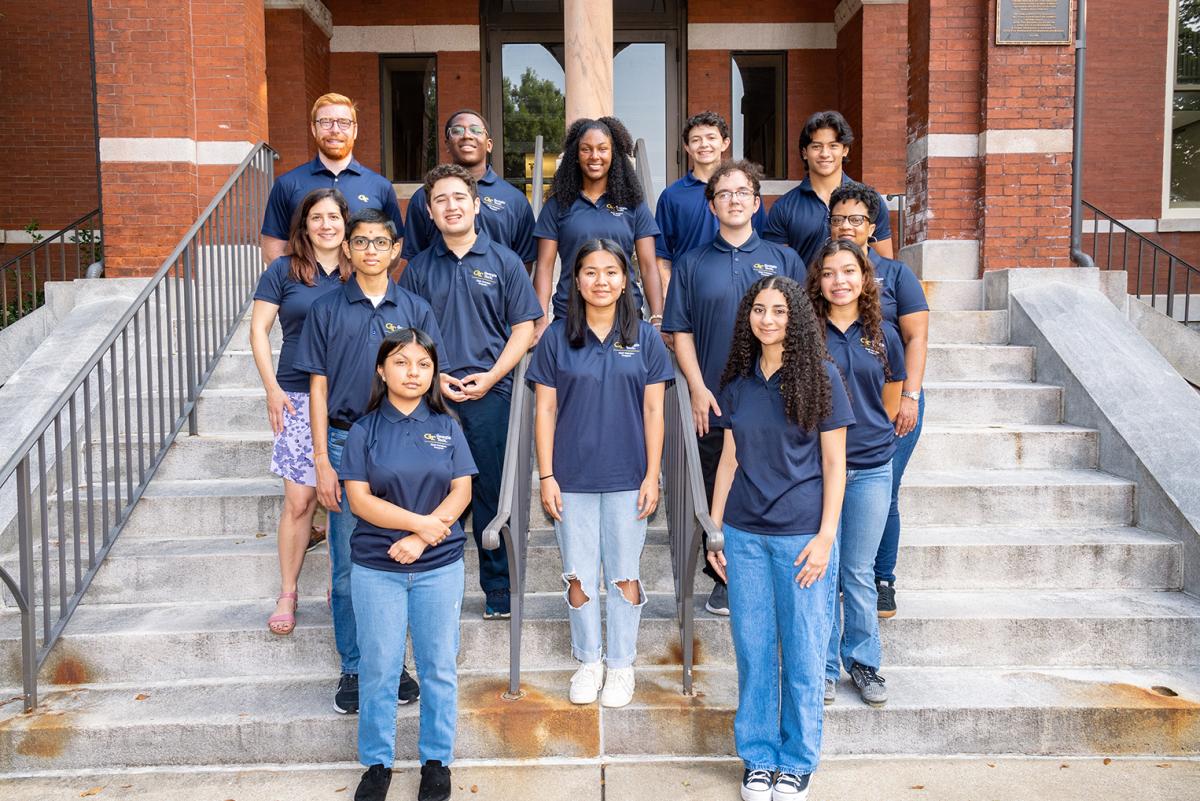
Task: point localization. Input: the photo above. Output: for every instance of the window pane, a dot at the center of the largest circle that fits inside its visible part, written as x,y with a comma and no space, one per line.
534,103
758,111
640,101
1185,114
410,130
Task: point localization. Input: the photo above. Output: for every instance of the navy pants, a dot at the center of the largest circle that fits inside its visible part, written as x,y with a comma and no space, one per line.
485,425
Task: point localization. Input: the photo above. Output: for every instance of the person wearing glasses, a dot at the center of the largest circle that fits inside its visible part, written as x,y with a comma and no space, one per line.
852,207
800,219
334,126
504,211
702,303
341,336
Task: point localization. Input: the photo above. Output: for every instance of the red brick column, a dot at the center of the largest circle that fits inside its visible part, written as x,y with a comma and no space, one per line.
181,98
297,51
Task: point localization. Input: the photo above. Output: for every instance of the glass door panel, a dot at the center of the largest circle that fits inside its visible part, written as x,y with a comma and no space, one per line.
640,101
532,102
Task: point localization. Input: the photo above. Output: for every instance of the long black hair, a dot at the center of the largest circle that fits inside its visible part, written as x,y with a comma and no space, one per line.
626,321
622,188
394,342
804,384
870,311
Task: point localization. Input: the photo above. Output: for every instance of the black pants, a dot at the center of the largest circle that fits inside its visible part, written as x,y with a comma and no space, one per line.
711,445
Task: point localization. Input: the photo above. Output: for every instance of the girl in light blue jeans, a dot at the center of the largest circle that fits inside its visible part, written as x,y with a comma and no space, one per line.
600,376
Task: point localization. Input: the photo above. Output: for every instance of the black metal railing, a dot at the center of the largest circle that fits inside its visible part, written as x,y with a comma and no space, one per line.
1156,275
901,219
85,464
62,256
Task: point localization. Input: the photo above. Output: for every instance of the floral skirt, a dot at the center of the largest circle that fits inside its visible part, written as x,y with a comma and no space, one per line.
292,457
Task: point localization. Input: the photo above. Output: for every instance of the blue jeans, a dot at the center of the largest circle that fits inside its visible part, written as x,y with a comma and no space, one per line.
601,529
341,528
864,513
780,712
885,560
485,425
427,605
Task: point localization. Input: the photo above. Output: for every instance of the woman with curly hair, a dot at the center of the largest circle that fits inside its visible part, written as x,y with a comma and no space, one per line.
845,295
777,496
596,195
852,206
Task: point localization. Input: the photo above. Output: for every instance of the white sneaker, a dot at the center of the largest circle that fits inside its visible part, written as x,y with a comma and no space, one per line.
756,785
618,687
790,787
585,684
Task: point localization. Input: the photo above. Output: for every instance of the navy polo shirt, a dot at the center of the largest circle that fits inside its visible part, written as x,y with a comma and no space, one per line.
778,486
504,212
686,221
586,220
871,441
294,298
477,300
800,220
341,340
362,188
707,285
408,460
900,291
600,435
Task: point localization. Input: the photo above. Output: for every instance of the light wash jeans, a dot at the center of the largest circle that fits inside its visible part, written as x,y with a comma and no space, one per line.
427,605
341,528
601,529
864,514
780,712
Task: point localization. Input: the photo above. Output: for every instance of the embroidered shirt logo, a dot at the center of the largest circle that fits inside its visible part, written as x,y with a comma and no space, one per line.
439,442
392,328
494,203
615,210
870,347
484,277
765,269
364,198
627,351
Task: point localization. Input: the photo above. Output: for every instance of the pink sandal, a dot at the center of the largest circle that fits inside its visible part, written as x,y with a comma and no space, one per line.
288,620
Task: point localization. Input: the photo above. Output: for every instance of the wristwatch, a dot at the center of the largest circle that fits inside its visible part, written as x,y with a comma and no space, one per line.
911,395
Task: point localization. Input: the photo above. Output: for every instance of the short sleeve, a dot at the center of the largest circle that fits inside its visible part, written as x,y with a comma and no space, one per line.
416,226
776,228
643,222
658,360
897,371
727,400
842,414
277,220
523,243
883,220
910,295
427,322
310,355
664,243
461,462
543,367
520,301
391,206
794,267
270,284
677,311
410,279
354,455
547,221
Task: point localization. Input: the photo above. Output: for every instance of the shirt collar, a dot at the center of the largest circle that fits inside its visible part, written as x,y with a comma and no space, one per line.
806,184
479,248
849,333
354,292
758,373
316,166
750,244
489,177
394,415
691,180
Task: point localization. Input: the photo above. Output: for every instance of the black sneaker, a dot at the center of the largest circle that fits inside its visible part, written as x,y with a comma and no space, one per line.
409,689
374,784
498,605
756,785
790,787
718,600
869,683
346,699
435,782
887,598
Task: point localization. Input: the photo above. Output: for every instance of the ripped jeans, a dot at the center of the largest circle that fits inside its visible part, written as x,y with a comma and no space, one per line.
602,529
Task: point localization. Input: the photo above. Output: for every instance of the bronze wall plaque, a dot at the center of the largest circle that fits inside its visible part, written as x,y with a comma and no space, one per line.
1033,22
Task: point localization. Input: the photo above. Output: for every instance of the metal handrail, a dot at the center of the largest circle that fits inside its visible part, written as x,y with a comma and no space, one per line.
512,514
901,217
539,178
1078,256
71,235
1175,265
143,382
688,519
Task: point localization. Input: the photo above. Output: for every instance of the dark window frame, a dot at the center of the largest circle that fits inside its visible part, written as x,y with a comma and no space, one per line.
780,171
388,63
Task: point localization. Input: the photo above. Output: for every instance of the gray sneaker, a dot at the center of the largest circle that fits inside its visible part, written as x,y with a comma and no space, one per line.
718,600
830,691
870,684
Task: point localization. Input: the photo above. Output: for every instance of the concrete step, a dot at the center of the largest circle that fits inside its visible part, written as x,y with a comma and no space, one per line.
236,369
968,327
954,295
984,402
1015,497
982,447
290,720
244,455
979,363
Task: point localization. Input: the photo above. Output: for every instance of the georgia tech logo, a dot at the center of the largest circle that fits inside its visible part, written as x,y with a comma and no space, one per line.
627,351
871,347
392,328
765,269
494,203
438,442
364,198
483,277
614,210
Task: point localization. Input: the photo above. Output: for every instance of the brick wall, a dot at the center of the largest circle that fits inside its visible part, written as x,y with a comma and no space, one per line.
356,75
296,77
881,136
812,85
373,12
46,115
850,77
458,86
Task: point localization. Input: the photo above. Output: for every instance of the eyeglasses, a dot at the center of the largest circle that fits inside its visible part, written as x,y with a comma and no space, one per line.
855,220
327,123
459,131
726,196
362,243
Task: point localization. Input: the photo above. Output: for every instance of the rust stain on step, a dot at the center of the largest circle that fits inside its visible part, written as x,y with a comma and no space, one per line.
536,725
43,733
675,654
68,669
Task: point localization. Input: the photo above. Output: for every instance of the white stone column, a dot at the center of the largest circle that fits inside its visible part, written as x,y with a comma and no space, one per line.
588,35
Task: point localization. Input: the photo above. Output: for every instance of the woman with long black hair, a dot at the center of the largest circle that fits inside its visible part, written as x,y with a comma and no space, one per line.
600,377
407,471
596,195
777,497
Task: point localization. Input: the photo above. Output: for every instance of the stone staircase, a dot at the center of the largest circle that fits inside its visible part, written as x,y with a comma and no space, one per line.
1035,617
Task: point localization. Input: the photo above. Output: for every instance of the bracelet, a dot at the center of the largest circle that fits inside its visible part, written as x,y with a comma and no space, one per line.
654,317
911,395
543,478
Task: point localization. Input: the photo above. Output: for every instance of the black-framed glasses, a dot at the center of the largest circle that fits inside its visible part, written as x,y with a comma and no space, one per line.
459,131
725,196
856,220
381,243
327,123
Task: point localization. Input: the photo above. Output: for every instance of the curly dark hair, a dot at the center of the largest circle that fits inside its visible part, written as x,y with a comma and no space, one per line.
751,170
622,184
804,384
853,190
870,311
450,171
709,118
